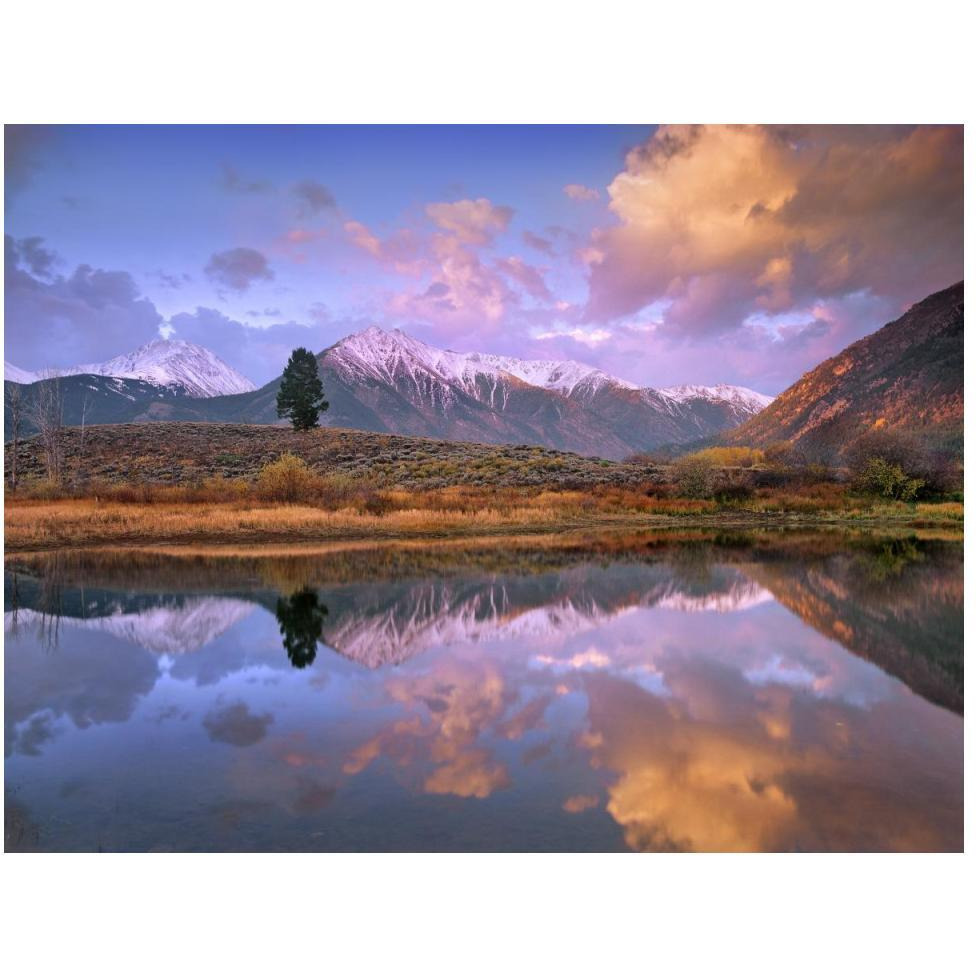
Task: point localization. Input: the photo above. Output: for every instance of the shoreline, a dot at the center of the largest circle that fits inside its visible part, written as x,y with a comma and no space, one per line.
39,526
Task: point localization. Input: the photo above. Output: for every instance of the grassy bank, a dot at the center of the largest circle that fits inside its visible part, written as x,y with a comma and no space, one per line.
230,484
40,524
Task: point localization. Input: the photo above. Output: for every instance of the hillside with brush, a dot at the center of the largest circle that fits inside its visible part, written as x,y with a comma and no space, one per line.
906,377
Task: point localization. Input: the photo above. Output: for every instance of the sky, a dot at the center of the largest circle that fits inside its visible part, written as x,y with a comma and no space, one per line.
661,254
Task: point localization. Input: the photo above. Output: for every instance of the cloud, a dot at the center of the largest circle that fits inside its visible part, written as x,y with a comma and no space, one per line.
587,336
461,701
538,242
22,146
38,694
527,277
720,222
313,197
463,292
471,221
580,802
258,352
402,251
576,191
172,281
30,252
55,320
232,181
236,725
238,268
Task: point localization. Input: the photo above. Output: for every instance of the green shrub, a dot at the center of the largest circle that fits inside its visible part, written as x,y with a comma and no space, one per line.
887,480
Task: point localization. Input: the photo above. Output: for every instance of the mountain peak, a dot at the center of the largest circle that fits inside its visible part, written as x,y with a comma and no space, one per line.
14,374
175,363
738,396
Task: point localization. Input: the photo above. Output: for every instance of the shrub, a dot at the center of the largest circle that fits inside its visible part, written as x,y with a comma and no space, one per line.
733,486
289,479
338,490
939,469
782,454
730,457
695,476
880,477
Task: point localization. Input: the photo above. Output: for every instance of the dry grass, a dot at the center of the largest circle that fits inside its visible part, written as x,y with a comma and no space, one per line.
40,525
461,511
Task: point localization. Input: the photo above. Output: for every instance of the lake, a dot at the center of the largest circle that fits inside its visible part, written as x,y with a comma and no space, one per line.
685,691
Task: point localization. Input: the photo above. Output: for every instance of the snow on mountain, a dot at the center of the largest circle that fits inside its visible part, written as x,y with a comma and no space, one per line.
738,396
438,616
14,374
381,354
175,363
172,630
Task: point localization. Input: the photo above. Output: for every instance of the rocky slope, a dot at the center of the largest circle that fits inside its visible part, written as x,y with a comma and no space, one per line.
907,376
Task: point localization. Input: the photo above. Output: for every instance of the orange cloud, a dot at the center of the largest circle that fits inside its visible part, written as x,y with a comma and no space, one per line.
580,802
471,221
723,769
453,705
723,221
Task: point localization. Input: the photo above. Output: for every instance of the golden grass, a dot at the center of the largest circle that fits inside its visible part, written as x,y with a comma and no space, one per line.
87,522
457,512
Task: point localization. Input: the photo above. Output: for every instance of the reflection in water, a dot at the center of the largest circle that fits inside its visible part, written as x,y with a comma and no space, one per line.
300,618
746,693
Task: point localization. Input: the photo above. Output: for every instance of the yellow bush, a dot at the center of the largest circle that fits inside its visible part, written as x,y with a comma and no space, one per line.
729,457
289,479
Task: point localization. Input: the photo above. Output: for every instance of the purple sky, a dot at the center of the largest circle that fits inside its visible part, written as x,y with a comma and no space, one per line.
663,255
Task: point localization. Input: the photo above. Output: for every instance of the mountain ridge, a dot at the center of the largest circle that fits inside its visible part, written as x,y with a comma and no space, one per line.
393,383
173,363
906,376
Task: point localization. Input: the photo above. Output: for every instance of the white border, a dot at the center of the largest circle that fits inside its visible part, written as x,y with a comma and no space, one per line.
497,62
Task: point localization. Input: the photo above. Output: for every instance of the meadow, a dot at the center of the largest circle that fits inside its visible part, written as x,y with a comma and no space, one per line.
223,484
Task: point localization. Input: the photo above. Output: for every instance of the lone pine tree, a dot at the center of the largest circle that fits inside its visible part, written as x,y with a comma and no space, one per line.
300,396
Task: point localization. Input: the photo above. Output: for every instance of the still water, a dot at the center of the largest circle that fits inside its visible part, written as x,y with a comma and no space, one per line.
643,693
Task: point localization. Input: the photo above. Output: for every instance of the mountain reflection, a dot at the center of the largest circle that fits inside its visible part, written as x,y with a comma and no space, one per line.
300,619
687,695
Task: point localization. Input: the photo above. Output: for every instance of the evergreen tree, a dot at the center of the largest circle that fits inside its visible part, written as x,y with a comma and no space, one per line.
300,619
300,396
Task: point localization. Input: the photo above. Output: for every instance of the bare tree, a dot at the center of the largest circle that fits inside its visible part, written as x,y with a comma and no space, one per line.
47,414
85,404
13,395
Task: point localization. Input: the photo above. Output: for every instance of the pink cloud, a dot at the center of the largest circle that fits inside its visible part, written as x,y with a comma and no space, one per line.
526,276
471,221
576,191
402,251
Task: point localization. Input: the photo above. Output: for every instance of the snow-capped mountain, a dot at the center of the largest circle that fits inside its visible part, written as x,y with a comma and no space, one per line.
382,354
14,374
390,382
173,629
393,382
739,396
174,363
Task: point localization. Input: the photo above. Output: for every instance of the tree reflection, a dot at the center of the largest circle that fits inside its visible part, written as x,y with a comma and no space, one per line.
300,618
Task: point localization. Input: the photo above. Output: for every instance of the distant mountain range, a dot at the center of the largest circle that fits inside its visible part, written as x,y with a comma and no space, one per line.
175,364
907,376
389,382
